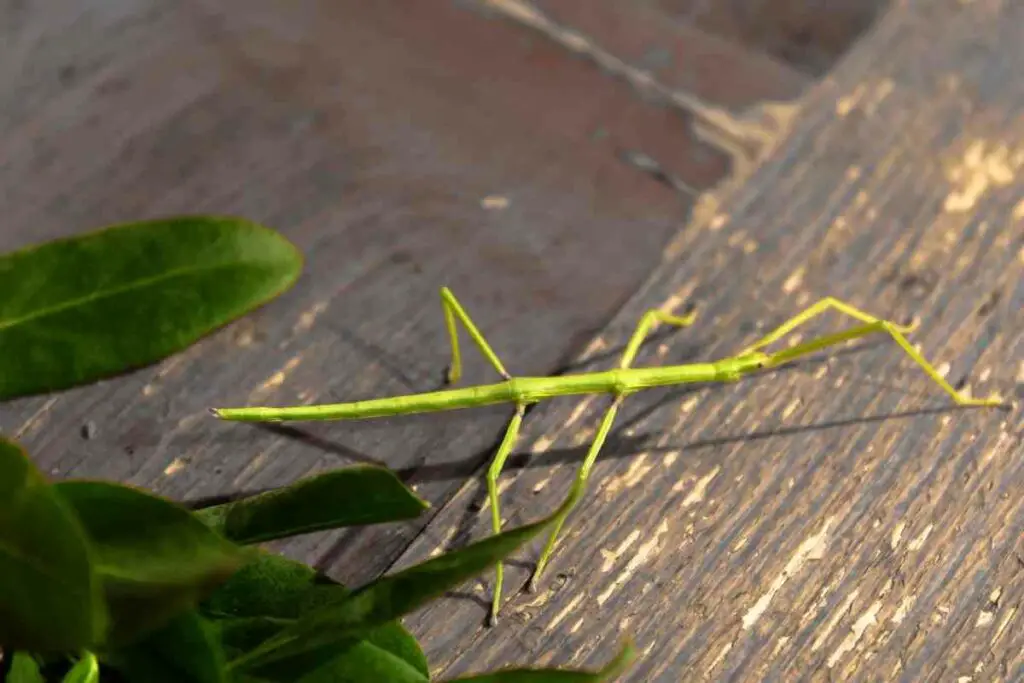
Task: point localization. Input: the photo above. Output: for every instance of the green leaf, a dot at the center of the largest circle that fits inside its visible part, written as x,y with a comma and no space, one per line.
608,673
154,558
386,653
347,497
186,650
78,309
86,670
24,669
271,593
391,597
374,658
50,598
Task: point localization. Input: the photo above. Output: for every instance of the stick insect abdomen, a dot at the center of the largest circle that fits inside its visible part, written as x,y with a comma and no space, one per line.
428,402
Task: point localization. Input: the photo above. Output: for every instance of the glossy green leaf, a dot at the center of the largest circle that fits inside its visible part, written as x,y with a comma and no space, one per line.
78,309
372,658
608,673
389,646
186,650
346,497
273,592
268,586
24,669
50,599
85,670
386,653
391,597
154,558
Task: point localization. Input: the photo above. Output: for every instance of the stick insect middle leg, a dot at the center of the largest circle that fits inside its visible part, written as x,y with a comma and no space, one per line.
647,322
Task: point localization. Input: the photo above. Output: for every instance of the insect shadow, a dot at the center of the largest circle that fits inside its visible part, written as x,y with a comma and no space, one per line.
619,444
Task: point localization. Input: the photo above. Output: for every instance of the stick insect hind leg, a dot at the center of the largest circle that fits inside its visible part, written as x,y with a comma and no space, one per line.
453,313
583,473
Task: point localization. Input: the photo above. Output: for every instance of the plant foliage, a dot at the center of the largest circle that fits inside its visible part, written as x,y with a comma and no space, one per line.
105,582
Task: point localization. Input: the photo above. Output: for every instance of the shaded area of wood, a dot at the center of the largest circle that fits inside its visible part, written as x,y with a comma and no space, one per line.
678,54
836,519
402,147
839,520
809,35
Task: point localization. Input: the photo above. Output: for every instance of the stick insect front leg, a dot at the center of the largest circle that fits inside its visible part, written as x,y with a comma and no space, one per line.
871,325
628,356
751,359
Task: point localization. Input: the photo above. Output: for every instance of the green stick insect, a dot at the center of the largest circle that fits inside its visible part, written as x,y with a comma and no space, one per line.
620,383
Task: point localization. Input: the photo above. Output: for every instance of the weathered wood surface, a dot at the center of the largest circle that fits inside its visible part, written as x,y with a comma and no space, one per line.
680,56
837,521
372,135
832,520
809,34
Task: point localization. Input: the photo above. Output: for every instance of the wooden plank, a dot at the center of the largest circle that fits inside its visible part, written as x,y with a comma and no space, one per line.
838,520
711,82
679,55
809,35
372,135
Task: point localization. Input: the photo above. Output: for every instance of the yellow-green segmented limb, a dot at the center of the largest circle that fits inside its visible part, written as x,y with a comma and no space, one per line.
619,383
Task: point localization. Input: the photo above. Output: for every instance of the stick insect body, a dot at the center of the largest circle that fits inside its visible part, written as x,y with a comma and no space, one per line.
620,382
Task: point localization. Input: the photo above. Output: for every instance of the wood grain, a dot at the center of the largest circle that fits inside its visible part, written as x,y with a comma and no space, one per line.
834,521
678,54
810,35
401,147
